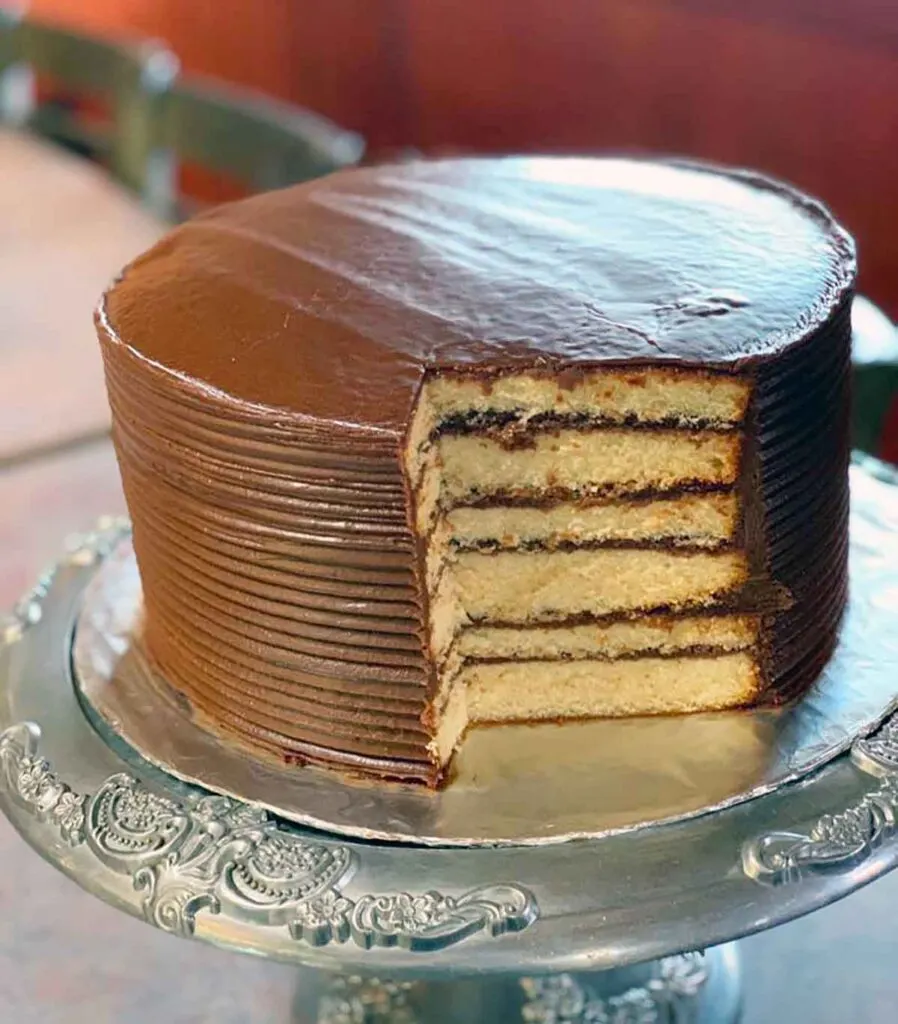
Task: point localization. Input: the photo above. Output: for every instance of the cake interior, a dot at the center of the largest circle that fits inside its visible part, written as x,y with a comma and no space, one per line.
583,548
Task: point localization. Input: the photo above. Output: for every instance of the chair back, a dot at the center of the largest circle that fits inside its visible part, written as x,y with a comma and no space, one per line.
256,140
153,119
121,85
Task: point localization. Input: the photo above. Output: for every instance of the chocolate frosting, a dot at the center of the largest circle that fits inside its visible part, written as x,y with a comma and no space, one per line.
331,299
263,362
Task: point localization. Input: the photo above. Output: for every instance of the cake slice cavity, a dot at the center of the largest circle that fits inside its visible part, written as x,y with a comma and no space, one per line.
583,553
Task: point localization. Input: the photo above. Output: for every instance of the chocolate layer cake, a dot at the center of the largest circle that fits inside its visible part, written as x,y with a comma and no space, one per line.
413,448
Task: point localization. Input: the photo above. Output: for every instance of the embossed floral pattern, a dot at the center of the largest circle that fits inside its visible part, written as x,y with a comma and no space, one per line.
32,783
323,919
215,855
138,810
329,908
683,975
68,816
405,913
878,753
220,808
427,920
563,999
36,782
836,840
356,1000
278,858
844,830
663,999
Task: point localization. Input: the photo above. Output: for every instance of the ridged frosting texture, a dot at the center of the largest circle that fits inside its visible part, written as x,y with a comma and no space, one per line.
263,363
277,570
800,415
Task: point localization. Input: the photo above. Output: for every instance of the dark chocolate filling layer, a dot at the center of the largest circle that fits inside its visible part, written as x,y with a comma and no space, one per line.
600,494
707,651
511,427
733,604
684,544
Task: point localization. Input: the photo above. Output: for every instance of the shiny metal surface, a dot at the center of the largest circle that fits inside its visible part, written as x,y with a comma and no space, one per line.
527,784
166,852
689,989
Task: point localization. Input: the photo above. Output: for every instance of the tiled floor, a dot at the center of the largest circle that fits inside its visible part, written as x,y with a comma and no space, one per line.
66,958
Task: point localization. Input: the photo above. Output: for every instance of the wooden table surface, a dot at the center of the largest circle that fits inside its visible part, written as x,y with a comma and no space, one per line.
66,958
65,231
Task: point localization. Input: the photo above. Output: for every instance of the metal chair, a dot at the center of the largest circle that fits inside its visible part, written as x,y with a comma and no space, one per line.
254,139
874,361
10,66
129,81
158,119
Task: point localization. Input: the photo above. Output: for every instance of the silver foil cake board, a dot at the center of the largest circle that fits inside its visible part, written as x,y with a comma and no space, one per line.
225,871
523,784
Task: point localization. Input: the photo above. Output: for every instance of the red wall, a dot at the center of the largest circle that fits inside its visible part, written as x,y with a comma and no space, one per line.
807,89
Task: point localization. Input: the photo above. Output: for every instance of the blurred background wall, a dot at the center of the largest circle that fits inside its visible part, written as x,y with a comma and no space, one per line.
805,89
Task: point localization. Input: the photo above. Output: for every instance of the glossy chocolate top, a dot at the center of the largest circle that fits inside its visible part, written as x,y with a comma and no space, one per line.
331,299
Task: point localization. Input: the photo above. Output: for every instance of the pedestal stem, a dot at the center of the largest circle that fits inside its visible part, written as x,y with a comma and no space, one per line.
693,988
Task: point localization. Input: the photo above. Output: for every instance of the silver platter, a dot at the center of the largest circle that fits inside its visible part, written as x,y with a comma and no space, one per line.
530,784
223,871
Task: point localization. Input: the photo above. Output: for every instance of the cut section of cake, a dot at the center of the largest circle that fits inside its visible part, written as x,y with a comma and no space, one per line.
584,547
412,450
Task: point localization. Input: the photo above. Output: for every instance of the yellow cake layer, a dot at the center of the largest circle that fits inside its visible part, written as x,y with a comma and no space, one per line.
660,634
613,461
525,691
649,395
697,519
605,689
514,586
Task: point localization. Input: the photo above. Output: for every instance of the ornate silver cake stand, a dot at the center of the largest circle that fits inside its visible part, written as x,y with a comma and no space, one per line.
593,930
